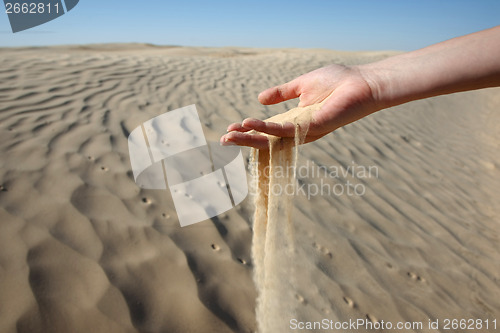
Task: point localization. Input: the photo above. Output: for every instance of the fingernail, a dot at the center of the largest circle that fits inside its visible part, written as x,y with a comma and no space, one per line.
225,142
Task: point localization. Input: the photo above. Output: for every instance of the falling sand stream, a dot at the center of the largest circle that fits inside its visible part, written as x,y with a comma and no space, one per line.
273,247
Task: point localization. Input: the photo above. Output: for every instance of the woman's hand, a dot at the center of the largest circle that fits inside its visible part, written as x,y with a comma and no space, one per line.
345,95
350,93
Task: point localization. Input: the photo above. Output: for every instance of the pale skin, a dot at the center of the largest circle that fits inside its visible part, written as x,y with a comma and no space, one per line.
349,93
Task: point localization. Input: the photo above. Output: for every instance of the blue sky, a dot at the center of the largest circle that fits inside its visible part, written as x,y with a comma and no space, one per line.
330,24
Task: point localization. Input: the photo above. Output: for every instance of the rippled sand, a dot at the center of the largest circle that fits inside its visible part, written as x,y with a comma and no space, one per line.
84,249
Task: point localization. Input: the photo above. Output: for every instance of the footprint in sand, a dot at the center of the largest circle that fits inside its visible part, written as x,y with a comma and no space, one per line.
415,277
323,250
371,318
301,299
349,302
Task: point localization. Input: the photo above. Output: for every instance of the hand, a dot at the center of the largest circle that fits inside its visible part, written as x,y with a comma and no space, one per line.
347,94
344,93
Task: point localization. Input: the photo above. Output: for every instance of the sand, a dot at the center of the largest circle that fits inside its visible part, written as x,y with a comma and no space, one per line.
273,243
84,249
273,248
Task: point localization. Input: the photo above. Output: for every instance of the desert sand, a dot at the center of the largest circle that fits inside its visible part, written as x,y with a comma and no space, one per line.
84,249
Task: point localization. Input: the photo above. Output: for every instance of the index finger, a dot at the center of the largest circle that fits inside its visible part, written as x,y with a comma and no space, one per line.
257,141
286,130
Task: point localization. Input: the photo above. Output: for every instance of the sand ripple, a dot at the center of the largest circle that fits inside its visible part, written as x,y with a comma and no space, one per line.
83,249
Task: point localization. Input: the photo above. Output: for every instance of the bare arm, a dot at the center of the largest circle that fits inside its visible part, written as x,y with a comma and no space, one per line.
350,93
464,63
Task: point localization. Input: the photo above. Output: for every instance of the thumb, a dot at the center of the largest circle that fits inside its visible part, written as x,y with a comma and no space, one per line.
280,93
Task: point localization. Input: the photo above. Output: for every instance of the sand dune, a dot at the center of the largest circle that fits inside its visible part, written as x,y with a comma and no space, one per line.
84,249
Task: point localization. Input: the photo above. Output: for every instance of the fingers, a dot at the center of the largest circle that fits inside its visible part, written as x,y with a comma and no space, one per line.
280,93
238,133
276,129
253,140
245,139
281,130
237,127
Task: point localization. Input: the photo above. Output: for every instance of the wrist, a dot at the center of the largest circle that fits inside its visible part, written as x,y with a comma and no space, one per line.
379,83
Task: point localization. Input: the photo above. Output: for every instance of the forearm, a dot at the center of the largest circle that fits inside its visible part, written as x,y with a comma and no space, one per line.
464,63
